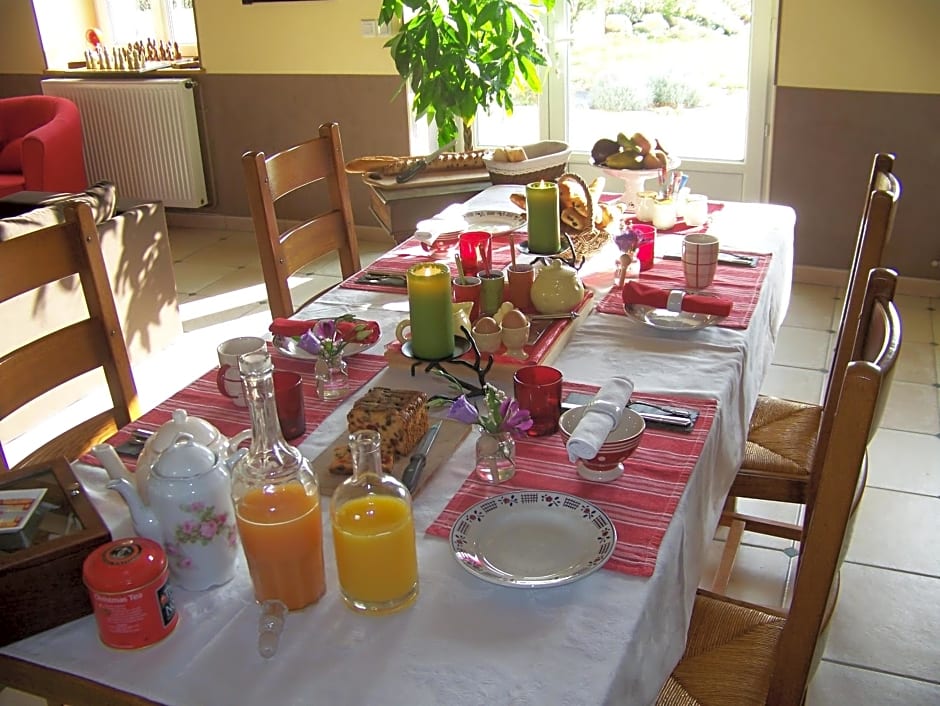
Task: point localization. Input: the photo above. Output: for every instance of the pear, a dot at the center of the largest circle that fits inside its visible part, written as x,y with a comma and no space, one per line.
643,144
626,143
623,160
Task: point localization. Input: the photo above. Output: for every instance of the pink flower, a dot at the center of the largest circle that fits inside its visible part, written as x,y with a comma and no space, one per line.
208,529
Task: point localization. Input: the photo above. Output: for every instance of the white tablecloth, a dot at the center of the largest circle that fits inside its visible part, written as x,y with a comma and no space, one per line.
608,638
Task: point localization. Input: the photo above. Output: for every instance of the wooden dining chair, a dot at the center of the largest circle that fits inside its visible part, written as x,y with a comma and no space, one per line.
782,434
284,252
741,654
871,330
41,259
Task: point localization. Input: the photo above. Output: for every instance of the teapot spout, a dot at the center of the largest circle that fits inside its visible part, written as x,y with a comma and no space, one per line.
112,463
145,520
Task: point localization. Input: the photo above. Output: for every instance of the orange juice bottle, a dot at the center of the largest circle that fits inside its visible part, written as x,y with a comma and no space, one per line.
277,501
373,533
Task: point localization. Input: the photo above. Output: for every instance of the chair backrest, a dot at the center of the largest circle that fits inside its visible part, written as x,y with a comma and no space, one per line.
874,233
856,406
43,257
267,179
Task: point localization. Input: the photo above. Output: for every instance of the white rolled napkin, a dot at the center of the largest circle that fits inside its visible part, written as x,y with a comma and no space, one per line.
601,416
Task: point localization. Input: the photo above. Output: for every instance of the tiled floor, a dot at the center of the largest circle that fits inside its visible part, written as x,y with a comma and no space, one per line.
883,647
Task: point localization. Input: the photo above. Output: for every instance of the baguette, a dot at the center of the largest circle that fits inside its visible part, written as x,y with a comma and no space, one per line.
369,164
447,162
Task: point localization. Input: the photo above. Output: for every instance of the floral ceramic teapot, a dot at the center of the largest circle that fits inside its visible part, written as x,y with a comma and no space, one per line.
190,512
556,289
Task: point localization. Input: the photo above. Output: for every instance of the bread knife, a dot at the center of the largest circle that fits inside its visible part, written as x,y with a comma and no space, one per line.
412,473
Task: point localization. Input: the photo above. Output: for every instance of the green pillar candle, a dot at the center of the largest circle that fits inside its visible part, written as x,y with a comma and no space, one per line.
430,311
544,224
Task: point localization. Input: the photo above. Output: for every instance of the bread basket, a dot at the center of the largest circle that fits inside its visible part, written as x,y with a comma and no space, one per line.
547,160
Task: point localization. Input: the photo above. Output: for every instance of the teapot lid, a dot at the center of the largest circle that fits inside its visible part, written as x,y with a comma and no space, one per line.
201,430
186,458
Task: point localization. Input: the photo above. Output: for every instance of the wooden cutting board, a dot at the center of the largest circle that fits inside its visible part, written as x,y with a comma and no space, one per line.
450,436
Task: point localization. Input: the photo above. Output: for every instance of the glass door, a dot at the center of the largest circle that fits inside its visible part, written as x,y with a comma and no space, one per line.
696,75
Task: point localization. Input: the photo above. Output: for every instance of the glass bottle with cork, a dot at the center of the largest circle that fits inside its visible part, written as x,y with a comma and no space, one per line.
373,533
277,501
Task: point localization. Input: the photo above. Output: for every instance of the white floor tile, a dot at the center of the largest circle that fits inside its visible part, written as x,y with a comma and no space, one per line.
840,685
812,306
803,348
917,362
900,460
12,697
886,620
897,531
759,574
797,384
916,318
912,407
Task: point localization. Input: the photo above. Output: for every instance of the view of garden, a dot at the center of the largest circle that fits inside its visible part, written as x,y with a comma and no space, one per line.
677,69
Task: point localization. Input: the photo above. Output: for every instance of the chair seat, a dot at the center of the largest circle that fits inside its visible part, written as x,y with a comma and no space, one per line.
782,437
728,658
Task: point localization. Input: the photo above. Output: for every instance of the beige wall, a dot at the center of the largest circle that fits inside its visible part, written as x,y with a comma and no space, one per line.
311,38
20,50
860,45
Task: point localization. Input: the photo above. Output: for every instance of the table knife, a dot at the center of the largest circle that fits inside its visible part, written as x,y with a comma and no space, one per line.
725,258
412,473
413,170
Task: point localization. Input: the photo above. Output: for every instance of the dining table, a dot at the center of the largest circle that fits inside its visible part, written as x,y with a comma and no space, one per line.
609,636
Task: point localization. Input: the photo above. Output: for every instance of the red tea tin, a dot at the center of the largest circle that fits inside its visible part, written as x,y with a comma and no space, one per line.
127,581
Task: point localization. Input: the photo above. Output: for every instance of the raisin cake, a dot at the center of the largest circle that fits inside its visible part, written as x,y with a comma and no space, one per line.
400,416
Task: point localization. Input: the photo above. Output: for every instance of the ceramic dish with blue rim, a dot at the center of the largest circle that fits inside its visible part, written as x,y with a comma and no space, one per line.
532,539
494,222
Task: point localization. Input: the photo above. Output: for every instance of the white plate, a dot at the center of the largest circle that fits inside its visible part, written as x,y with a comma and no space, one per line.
669,320
532,539
17,506
494,222
290,347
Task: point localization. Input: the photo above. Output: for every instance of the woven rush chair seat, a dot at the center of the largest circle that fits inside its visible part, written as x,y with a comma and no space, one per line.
781,436
729,656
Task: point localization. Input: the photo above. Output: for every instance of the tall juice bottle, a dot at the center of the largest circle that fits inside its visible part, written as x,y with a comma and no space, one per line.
373,533
277,501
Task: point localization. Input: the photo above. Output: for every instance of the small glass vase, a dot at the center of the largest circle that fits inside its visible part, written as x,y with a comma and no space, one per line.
332,377
496,456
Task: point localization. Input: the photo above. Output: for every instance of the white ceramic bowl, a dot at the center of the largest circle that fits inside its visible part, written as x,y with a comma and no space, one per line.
622,441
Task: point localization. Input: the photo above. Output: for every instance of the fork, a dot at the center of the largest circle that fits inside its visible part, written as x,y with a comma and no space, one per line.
668,410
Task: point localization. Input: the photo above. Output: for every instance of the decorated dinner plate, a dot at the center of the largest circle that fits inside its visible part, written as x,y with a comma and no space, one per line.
494,222
532,539
669,320
290,347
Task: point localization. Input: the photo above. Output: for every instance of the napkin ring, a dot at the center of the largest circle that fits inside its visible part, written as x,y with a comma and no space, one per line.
614,411
674,302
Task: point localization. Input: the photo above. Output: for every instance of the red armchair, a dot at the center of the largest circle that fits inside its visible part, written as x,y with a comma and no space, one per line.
40,145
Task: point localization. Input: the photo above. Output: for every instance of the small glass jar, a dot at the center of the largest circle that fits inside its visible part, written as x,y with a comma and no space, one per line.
644,205
373,533
664,213
332,376
496,456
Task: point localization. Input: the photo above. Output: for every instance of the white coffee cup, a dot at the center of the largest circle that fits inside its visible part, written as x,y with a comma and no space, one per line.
228,379
699,259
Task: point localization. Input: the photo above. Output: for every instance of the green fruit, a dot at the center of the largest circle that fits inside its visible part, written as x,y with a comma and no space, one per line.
624,160
627,143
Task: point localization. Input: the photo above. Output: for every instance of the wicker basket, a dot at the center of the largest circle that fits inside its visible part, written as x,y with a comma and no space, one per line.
589,240
547,160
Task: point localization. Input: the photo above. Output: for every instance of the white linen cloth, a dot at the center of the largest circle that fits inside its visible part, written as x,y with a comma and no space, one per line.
601,416
608,638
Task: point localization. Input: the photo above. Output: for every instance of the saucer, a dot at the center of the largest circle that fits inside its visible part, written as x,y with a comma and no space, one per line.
461,346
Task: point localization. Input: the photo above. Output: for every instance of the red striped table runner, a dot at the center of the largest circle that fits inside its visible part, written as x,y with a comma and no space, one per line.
640,503
411,252
739,284
202,399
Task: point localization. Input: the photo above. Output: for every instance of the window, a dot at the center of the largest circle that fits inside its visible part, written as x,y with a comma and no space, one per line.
694,74
128,21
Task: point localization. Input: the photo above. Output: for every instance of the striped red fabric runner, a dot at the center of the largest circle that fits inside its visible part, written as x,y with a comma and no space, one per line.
640,503
202,399
739,284
411,252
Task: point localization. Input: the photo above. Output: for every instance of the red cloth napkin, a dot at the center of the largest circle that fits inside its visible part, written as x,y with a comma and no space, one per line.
648,295
350,331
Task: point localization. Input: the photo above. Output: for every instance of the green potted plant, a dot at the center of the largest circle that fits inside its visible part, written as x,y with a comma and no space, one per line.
461,55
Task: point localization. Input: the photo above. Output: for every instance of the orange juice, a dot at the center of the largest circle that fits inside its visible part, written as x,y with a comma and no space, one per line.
282,535
376,560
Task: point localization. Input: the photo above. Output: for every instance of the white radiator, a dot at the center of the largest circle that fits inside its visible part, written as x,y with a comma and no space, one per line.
142,135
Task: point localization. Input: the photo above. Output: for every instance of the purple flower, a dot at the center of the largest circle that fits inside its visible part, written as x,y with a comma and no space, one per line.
628,240
514,419
325,330
310,343
464,411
